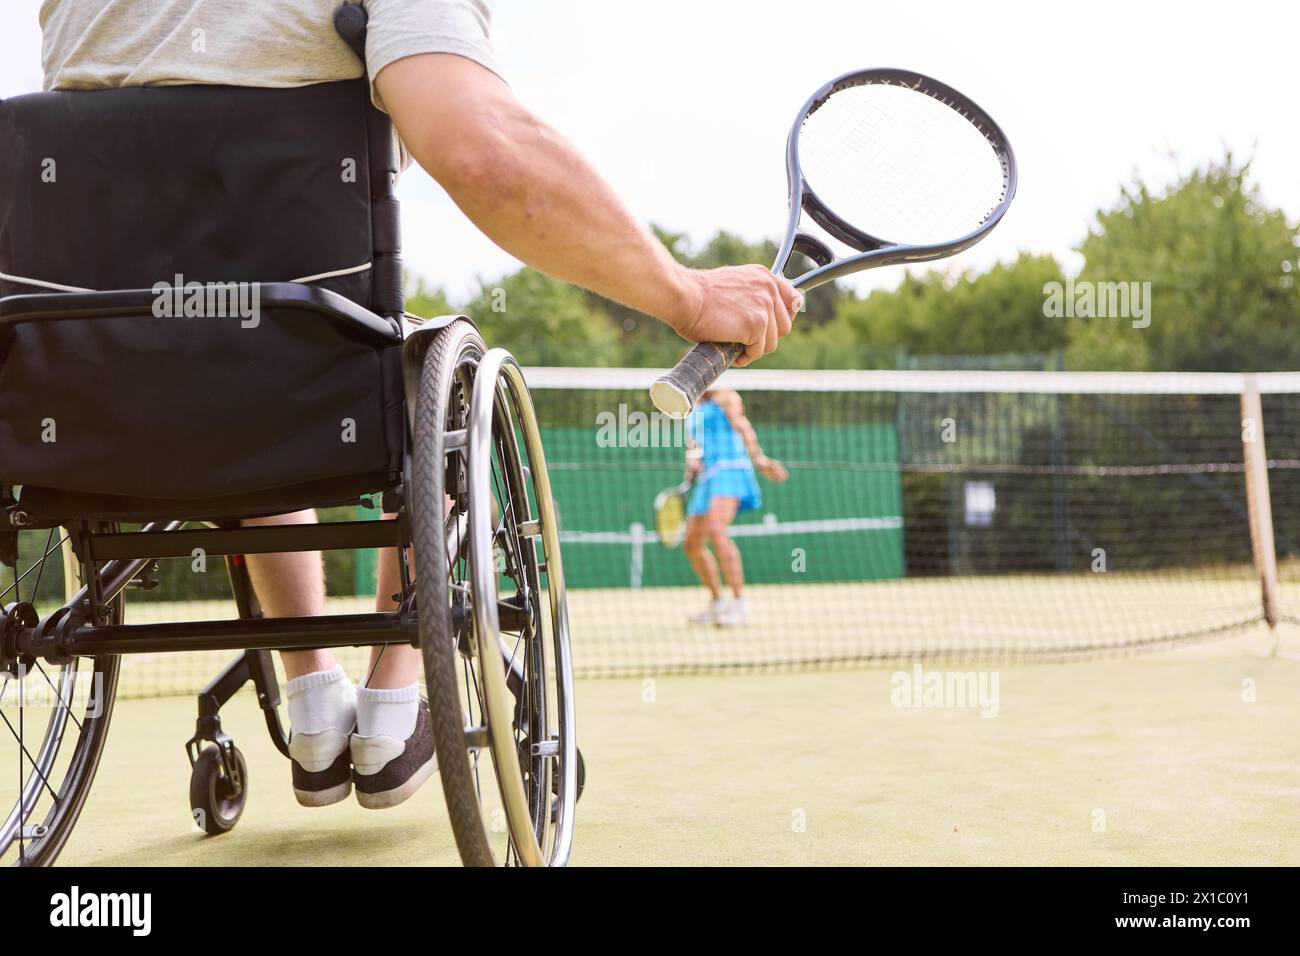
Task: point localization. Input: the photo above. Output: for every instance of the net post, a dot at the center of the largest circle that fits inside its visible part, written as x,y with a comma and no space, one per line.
1259,505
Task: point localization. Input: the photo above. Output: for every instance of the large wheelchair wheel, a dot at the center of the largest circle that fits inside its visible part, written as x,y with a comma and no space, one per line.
53,719
495,644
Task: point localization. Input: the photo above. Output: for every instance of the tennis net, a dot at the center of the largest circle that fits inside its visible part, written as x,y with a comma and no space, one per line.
962,515
967,516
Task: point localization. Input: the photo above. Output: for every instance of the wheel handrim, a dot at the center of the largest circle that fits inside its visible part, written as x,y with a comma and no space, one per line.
461,666
550,532
531,831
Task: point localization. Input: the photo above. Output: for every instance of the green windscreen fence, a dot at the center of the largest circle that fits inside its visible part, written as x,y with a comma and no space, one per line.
838,517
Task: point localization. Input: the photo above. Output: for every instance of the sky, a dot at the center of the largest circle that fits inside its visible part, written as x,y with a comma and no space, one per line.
684,105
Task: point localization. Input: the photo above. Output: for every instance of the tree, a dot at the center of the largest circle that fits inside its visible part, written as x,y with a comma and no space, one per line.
1221,266
543,321
647,342
940,313
425,301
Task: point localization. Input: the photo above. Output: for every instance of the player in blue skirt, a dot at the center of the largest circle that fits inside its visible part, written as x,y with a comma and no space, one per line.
722,457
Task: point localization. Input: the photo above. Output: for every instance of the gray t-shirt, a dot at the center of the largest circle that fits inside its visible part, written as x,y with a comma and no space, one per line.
97,44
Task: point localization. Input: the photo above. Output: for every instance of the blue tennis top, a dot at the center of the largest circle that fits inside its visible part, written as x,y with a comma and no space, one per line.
726,468
712,431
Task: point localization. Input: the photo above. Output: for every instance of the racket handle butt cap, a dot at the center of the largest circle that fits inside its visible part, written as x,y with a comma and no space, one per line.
676,393
670,399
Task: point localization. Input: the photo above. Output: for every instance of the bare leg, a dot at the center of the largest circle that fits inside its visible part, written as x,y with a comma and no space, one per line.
722,511
291,584
696,546
394,665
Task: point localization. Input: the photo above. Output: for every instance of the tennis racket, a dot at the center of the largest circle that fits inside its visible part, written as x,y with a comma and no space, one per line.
670,513
893,165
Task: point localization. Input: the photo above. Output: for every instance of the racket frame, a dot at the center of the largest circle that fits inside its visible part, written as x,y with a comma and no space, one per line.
681,491
676,392
874,251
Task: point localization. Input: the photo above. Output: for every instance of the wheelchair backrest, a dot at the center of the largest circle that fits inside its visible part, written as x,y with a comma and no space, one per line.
158,413
126,188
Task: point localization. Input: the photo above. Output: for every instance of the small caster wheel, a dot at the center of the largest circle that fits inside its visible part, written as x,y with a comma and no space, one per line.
217,800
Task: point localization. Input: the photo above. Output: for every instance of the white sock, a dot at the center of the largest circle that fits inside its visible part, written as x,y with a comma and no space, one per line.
391,711
324,700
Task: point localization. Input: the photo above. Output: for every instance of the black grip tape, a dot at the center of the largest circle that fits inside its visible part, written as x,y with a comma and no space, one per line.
693,375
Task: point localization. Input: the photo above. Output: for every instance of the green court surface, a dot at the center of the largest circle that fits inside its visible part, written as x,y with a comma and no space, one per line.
1180,757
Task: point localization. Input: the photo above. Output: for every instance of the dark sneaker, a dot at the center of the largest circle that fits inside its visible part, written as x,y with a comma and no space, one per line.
322,767
387,771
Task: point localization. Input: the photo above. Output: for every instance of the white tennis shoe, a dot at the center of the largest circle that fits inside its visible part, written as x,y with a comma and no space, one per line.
710,614
734,613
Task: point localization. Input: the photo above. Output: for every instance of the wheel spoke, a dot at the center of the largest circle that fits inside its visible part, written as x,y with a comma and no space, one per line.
23,751
37,566
36,588
62,702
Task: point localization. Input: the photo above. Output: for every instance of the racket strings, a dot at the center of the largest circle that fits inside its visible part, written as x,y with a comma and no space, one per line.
900,165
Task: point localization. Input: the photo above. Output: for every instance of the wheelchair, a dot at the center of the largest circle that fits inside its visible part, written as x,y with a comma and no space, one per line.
144,412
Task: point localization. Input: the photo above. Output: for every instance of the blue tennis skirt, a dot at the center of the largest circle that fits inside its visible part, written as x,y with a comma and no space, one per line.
737,483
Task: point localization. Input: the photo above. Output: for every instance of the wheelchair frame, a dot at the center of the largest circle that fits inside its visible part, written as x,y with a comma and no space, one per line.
90,623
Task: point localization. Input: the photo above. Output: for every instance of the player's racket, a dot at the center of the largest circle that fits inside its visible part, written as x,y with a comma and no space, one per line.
892,164
670,513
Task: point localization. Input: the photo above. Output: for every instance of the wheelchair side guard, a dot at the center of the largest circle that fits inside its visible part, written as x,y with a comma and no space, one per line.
417,335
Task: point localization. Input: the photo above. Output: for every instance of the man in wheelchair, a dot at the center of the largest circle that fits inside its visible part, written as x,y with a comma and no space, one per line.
227,142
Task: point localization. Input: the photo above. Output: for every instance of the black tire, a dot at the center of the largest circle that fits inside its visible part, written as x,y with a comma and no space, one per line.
85,734
215,804
457,347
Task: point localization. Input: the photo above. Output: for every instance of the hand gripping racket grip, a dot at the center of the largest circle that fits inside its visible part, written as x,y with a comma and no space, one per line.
676,393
